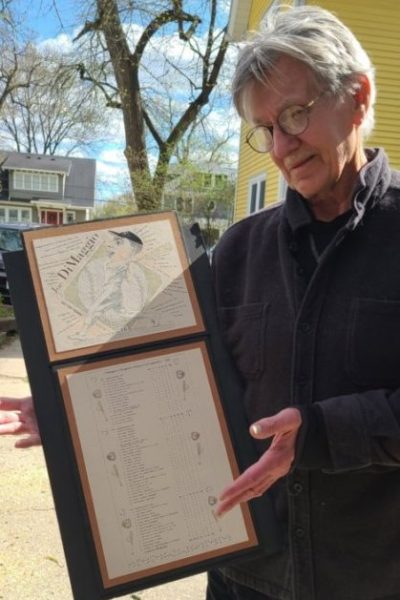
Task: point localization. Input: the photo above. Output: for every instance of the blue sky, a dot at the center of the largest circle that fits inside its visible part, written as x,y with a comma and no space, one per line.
44,20
47,26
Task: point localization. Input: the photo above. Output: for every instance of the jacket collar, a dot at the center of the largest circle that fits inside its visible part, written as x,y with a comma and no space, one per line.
372,183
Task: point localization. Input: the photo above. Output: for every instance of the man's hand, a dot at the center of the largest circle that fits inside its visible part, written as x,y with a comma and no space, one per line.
273,464
17,416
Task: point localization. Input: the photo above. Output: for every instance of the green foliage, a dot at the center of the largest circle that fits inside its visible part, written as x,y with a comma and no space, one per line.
115,207
203,191
210,236
5,309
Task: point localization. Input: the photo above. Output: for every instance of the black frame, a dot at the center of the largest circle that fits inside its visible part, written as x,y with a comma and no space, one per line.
60,453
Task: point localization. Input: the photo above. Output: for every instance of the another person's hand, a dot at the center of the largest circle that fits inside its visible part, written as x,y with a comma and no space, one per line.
272,465
17,416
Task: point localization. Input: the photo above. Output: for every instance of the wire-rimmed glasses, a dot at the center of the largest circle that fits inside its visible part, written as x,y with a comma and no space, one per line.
293,120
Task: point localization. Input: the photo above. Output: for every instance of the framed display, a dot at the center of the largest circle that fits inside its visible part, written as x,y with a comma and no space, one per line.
153,451
101,285
139,406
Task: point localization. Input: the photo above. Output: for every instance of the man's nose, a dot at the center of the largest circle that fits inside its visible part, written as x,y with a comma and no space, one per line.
284,143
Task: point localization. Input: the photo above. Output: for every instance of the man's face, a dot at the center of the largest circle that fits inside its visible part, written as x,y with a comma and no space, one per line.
121,248
114,244
322,162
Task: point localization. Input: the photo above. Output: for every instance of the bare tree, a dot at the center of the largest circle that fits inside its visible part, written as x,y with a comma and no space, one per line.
131,81
56,112
12,77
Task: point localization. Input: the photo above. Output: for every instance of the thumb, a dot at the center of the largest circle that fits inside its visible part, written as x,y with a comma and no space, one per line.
284,421
264,428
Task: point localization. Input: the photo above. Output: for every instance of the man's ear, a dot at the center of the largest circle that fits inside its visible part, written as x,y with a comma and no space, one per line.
362,98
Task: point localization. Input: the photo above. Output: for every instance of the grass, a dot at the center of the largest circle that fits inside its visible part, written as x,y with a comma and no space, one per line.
6,310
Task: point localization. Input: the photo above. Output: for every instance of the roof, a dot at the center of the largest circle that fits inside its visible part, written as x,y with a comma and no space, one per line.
80,173
37,162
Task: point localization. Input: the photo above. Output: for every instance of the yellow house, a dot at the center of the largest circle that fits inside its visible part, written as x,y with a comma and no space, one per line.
376,26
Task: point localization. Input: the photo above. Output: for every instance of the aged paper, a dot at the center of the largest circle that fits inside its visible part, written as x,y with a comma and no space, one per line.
153,454
103,285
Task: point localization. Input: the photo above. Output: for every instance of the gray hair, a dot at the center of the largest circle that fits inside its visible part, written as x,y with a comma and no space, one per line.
318,39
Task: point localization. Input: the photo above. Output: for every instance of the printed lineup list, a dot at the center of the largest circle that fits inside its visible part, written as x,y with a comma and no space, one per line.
153,460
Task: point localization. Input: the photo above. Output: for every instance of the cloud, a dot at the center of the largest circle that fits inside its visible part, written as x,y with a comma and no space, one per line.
166,86
112,172
61,43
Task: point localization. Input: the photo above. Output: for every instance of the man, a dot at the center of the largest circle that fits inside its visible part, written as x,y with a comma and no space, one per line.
309,300
308,296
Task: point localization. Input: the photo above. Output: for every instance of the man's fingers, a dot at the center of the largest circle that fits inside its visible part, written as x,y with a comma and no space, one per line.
27,442
250,479
9,417
10,427
254,477
250,484
16,404
235,497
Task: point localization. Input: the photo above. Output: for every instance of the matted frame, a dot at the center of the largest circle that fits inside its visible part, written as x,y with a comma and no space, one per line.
153,451
105,285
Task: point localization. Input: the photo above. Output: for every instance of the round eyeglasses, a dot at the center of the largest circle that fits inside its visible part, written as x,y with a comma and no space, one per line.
293,120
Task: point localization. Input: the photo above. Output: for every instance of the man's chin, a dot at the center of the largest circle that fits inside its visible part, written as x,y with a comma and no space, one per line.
302,190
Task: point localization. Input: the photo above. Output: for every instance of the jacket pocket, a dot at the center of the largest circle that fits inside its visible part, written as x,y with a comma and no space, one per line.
373,346
243,328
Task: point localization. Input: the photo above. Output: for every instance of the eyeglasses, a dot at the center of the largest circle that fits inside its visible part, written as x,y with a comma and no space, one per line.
293,120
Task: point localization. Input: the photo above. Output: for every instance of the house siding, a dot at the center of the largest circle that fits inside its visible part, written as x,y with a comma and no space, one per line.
376,25
250,163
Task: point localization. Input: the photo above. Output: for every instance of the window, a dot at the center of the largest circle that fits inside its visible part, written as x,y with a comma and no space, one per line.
34,181
207,179
15,214
10,240
188,205
25,215
256,194
220,180
70,216
282,188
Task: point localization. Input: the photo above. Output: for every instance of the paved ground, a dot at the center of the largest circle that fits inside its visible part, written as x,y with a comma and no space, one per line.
32,563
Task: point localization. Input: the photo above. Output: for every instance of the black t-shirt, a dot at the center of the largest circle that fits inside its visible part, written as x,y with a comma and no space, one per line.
313,240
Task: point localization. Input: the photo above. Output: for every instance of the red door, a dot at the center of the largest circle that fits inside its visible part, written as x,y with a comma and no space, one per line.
51,217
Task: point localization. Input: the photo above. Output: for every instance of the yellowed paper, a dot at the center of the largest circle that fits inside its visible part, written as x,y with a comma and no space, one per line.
153,460
105,285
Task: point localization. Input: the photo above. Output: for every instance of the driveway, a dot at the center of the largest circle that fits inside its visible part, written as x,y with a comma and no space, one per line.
32,562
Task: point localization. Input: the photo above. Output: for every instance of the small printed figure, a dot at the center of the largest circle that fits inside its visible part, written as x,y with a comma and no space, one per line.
114,290
126,523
